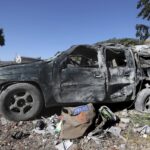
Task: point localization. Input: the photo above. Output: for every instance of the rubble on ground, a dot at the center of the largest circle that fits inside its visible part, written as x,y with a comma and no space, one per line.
130,132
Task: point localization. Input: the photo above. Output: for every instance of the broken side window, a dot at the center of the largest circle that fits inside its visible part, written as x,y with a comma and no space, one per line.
115,58
82,57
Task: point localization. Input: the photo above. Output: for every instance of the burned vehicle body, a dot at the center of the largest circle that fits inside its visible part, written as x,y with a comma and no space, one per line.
98,80
85,73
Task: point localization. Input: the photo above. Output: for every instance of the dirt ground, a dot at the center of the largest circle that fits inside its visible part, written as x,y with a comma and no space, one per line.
130,121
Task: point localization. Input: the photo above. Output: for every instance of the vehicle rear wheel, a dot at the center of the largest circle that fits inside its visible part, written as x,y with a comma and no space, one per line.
21,101
142,103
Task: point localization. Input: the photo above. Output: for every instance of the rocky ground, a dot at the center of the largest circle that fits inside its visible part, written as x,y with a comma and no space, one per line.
20,135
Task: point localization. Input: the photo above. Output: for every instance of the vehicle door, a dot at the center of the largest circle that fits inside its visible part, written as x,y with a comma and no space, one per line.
121,74
81,80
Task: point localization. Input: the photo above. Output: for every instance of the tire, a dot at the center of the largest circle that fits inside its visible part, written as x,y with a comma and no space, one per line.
21,101
142,103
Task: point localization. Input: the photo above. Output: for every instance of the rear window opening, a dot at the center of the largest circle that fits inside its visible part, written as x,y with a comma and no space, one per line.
115,58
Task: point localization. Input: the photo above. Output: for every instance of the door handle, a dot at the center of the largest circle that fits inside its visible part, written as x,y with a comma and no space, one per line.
127,74
98,76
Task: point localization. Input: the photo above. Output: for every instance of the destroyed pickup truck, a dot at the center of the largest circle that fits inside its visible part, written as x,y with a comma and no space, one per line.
99,73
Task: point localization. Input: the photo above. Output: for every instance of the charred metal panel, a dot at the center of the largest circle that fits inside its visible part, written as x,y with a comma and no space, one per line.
20,72
39,73
121,74
46,84
82,85
77,82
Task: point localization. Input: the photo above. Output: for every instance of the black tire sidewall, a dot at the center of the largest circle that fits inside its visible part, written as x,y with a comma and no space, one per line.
141,98
37,102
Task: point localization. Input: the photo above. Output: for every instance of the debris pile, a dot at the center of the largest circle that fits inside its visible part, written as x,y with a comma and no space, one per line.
78,128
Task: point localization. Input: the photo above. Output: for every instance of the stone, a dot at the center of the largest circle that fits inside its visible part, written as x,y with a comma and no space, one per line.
74,147
144,135
125,120
20,123
122,147
64,145
124,113
3,121
123,126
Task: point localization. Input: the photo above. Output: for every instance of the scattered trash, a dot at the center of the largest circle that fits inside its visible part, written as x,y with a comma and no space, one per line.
4,121
74,147
64,145
19,135
107,114
77,110
146,129
116,132
125,120
96,139
76,126
143,130
58,127
47,125
123,126
144,135
43,132
137,125
124,113
122,147
50,129
40,125
20,123
108,119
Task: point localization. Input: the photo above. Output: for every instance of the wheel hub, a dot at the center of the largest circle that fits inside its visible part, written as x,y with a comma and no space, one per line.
20,102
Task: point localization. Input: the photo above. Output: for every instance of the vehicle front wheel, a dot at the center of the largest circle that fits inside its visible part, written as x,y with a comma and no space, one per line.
21,101
142,103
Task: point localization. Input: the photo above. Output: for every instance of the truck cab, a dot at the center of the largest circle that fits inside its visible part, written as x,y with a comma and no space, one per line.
101,73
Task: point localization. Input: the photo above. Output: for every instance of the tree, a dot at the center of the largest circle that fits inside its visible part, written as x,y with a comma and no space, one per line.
143,31
144,6
2,40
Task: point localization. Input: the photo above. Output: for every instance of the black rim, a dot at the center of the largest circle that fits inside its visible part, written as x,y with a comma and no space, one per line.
20,102
147,104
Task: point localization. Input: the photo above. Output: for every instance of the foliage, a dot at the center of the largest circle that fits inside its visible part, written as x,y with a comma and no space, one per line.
123,41
2,40
143,31
144,6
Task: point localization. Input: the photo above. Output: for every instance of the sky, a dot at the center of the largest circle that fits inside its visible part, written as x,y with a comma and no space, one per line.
40,28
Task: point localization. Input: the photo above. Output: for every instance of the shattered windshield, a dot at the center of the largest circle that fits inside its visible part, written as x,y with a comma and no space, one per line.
55,56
